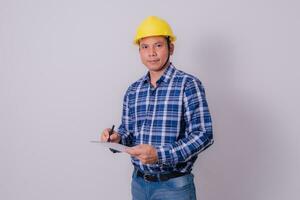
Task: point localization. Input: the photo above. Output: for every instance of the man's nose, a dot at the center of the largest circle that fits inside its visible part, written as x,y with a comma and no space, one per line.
152,51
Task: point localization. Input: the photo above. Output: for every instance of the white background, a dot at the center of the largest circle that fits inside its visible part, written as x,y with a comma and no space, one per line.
65,65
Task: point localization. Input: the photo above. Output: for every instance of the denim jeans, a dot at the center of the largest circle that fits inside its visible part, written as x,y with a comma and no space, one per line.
179,188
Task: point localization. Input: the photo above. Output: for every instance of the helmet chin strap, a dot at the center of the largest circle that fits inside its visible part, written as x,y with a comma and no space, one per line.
169,48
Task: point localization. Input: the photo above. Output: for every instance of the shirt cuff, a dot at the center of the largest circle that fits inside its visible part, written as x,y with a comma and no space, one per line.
125,139
165,156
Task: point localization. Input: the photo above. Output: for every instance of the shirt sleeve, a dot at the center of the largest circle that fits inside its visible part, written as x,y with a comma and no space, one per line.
198,127
124,129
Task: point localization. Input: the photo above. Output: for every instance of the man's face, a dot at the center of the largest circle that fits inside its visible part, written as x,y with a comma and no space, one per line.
154,52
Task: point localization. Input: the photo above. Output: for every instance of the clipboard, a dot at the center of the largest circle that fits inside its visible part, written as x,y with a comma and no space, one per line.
111,145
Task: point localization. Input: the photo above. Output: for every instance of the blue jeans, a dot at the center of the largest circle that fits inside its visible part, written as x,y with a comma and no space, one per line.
179,188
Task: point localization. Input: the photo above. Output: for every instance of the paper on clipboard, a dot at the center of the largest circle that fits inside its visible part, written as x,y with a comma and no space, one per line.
111,145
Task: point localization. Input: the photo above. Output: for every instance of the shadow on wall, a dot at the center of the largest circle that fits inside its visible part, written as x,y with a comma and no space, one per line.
236,165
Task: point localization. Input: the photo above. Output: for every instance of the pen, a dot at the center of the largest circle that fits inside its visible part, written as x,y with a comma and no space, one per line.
110,132
108,140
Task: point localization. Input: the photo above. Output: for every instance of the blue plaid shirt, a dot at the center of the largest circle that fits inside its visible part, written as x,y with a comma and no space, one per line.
173,117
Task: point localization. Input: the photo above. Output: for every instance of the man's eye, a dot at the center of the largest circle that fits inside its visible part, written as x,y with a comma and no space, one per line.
144,47
160,45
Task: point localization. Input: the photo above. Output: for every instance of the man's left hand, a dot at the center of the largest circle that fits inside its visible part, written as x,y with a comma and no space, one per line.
144,152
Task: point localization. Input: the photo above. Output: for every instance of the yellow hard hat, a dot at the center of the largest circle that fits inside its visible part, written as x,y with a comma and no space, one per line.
153,26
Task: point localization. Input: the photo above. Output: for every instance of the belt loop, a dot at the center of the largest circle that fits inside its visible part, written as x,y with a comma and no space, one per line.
135,172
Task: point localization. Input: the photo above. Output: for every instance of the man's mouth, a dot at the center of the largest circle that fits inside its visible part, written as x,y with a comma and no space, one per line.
153,61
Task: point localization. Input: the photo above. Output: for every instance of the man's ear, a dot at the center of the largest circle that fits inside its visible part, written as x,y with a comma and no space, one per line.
172,48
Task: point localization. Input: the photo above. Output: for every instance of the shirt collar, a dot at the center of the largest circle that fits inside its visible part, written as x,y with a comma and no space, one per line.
167,75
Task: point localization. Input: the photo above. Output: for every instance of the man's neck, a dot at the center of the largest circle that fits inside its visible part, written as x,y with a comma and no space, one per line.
155,75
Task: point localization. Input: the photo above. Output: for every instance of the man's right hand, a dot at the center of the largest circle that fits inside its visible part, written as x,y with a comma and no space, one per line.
115,137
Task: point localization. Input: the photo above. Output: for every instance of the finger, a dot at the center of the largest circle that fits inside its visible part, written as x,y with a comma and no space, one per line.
104,135
107,136
133,151
114,136
130,151
106,131
143,160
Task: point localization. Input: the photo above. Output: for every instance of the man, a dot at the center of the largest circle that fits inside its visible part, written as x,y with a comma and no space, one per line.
165,121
